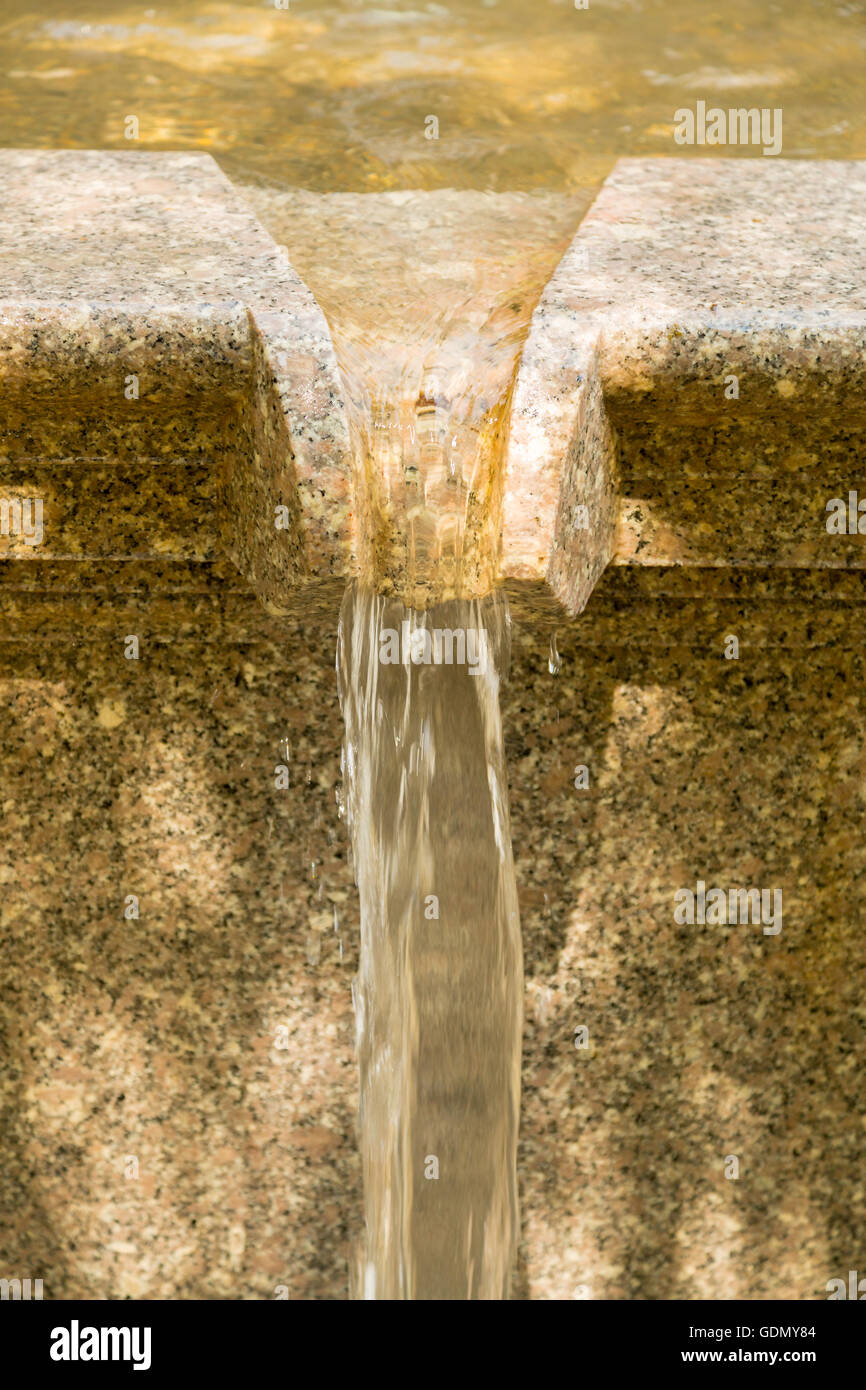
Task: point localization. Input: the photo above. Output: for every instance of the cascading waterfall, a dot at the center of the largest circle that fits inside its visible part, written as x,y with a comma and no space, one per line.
438,998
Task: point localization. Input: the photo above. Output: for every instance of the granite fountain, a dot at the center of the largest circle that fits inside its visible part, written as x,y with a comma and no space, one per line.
656,488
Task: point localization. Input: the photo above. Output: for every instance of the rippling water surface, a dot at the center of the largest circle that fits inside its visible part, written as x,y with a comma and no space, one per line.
528,93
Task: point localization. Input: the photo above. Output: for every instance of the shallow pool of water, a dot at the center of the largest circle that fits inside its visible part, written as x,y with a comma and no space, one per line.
528,94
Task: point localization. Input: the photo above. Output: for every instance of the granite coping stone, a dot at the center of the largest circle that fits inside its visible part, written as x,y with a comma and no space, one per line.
682,276
623,443
151,264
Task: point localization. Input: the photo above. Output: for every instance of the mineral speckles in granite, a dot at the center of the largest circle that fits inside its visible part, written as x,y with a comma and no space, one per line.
156,1037
708,1041
159,1038
152,265
683,275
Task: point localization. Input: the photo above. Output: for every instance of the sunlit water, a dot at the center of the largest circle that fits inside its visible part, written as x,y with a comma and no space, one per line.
529,94
429,289
427,325
438,998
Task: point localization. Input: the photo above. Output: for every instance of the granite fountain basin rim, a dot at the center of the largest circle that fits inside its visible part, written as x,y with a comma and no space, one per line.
150,265
726,292
685,273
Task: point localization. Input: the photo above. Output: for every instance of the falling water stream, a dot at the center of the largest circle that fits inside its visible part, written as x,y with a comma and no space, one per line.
439,993
427,342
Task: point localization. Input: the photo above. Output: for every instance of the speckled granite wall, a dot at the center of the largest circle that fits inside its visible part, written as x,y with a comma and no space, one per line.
149,315
179,1088
705,1041
157,1038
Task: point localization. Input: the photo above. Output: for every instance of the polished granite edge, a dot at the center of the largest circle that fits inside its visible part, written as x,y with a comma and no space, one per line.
623,443
152,267
706,291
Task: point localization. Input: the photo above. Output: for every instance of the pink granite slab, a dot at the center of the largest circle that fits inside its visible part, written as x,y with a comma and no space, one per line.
682,276
120,264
